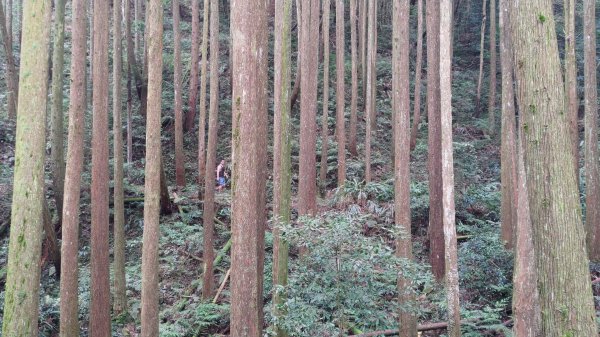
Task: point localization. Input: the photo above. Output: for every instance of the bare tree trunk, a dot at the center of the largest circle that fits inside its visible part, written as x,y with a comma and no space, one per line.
11,72
69,289
418,75
340,92
481,51
23,272
309,45
130,65
373,88
202,119
370,103
354,95
492,93
250,43
571,102
363,46
100,277
324,120
434,160
179,154
565,290
152,189
193,98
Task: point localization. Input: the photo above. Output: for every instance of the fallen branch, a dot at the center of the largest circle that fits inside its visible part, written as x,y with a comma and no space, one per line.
222,253
222,286
421,327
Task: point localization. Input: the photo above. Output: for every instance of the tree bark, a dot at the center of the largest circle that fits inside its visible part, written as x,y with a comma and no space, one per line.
250,43
193,98
354,95
12,79
434,160
418,75
152,188
325,118
565,291
571,102
340,92
179,155
370,96
493,62
130,67
363,49
481,51
23,271
202,117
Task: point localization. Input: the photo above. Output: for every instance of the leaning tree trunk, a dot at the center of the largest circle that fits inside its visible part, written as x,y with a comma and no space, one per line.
565,291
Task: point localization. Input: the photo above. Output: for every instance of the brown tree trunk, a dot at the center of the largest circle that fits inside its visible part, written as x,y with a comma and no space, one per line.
571,102
202,117
309,45
481,51
193,98
21,305
152,189
179,155
324,120
69,289
340,92
354,95
130,65
418,75
434,160
12,80
100,277
565,291
370,96
362,46
250,43
493,62
373,87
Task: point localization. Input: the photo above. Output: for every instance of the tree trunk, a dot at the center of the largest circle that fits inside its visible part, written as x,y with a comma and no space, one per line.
508,162
250,43
152,188
373,87
100,277
202,119
211,155
12,80
481,51
120,287
130,66
370,104
23,271
434,160
179,155
418,75
354,95
493,62
282,173
309,45
363,49
69,289
571,102
193,98
340,92
324,120
565,291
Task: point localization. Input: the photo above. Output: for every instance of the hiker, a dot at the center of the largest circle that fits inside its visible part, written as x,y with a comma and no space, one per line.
221,175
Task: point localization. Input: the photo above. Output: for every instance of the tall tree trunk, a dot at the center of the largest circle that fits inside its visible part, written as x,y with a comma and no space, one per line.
23,271
324,120
370,104
571,102
211,154
447,172
373,87
69,289
250,43
401,106
179,155
282,168
56,110
152,188
493,62
363,49
309,45
193,98
120,288
340,92
592,173
434,160
130,67
139,33
11,72
418,75
481,51
202,117
100,277
354,95
565,291
508,162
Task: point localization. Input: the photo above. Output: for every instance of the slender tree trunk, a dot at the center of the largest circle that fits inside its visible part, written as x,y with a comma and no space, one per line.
340,92
401,104
11,72
418,75
130,66
179,155
373,88
565,291
363,46
56,110
69,289
572,102
508,162
309,45
250,43
592,173
481,51
370,104
9,22
137,12
211,155
282,166
493,62
120,288
354,95
202,121
434,161
152,189
23,271
193,98
324,120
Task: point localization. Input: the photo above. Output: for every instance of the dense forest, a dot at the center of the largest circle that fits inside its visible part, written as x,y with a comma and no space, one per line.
299,168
